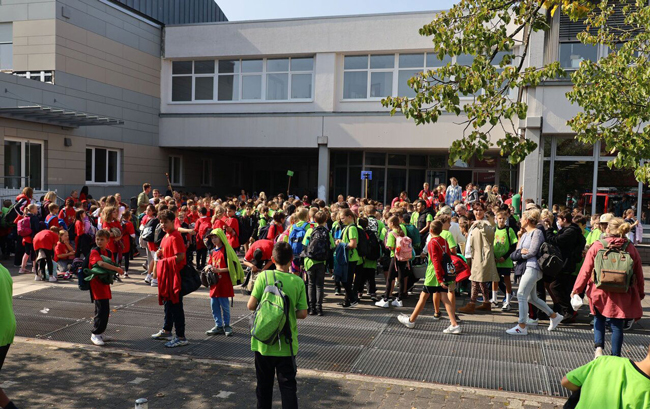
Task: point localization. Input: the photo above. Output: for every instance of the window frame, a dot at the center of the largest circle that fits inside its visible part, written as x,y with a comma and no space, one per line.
118,166
23,176
172,168
205,161
9,43
238,75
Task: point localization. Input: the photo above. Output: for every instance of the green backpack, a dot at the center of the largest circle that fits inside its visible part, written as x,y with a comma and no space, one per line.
613,270
270,318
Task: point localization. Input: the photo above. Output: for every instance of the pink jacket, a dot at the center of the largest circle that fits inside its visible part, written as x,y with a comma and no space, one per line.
612,305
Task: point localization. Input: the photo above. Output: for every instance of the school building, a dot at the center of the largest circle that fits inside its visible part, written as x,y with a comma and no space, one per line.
142,88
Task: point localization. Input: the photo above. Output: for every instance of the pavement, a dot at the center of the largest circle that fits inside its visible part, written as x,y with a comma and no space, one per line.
42,371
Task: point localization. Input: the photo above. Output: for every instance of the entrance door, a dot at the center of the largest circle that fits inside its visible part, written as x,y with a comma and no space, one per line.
23,163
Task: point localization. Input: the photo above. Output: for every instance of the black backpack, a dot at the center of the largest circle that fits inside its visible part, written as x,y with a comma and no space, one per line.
550,259
246,228
264,232
374,250
72,231
149,230
158,234
319,244
363,242
9,217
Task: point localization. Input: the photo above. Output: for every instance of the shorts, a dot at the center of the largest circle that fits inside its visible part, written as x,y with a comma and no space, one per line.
504,271
438,289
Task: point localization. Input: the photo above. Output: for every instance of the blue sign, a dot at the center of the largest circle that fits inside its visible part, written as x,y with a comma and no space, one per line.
366,175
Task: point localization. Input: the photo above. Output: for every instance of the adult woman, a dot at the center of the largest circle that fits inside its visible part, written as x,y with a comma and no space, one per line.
350,236
631,219
609,306
526,256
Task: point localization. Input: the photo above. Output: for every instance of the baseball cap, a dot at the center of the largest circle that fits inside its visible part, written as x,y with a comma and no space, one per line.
605,218
530,206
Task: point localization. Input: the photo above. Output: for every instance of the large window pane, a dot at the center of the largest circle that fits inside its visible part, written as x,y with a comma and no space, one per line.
373,158
355,85
89,164
433,61
437,161
182,88
279,64
181,67
381,84
251,87
277,86
228,87
396,183
100,165
355,181
403,89
302,64
465,59
34,165
340,181
572,147
382,61
204,88
411,60
13,164
6,56
204,67
251,65
619,188
417,160
645,213
176,174
572,183
377,184
572,54
301,85
228,66
396,160
112,166
356,62
356,158
416,182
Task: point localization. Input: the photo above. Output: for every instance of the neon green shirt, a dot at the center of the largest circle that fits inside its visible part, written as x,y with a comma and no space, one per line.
390,240
350,232
7,317
294,288
611,382
594,235
445,234
502,245
309,263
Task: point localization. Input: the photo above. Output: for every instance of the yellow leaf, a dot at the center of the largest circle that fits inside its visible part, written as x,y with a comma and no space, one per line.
553,10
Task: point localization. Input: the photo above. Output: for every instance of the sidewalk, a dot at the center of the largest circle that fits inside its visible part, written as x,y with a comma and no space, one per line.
60,375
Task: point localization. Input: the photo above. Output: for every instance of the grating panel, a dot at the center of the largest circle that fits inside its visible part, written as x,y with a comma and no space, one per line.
58,309
75,295
34,326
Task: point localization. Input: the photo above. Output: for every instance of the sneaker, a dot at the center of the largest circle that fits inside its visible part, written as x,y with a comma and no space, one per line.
147,279
493,301
598,353
227,330
126,275
383,303
337,292
397,303
97,340
320,312
53,279
154,282
531,322
437,315
214,331
404,319
517,330
349,305
24,271
162,335
505,306
555,322
627,325
176,342
374,297
312,311
37,278
452,330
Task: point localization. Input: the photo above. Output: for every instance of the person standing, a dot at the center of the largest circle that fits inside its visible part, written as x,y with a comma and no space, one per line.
7,326
454,193
516,201
143,199
273,358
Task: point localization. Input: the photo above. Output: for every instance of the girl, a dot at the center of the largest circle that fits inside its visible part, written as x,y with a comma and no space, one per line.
396,269
609,306
223,262
27,241
22,201
110,221
64,253
151,213
128,234
350,237
434,281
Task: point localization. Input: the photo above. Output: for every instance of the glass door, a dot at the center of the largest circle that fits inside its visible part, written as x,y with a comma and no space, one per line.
23,164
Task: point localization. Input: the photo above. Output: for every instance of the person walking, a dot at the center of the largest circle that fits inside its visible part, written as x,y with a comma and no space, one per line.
7,326
526,256
607,306
454,193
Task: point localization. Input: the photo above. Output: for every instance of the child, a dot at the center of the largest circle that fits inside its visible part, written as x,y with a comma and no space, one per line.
100,292
505,242
68,213
128,234
595,233
202,227
224,263
44,243
316,268
232,226
434,281
32,213
52,220
64,253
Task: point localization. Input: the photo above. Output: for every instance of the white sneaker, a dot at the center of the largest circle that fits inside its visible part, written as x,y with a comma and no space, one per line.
37,278
53,279
555,322
382,303
154,282
531,322
598,353
452,330
404,319
517,330
493,301
397,303
97,340
147,279
505,306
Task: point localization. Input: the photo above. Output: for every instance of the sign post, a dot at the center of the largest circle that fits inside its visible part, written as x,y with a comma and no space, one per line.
290,174
366,175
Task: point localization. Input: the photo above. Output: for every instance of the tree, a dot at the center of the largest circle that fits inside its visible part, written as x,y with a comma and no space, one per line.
613,92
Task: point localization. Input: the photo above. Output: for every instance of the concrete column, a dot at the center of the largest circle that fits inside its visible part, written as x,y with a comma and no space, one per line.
532,167
323,168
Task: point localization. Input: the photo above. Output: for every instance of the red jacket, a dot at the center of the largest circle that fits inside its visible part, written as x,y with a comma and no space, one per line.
169,280
612,305
436,247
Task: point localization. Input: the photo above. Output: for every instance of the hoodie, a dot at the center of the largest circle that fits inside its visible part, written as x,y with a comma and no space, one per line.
571,242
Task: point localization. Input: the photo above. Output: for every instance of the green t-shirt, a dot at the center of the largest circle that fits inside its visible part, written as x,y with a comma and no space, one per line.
594,235
502,244
350,232
516,203
445,234
7,317
430,278
390,240
309,263
611,382
415,216
294,288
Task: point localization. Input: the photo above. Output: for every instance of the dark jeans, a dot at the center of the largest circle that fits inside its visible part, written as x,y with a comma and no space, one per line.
20,250
174,317
102,311
200,258
365,275
617,333
397,270
316,286
561,288
350,296
265,370
125,257
46,262
3,354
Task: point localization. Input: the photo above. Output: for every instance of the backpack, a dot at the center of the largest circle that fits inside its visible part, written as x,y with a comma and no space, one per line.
149,230
264,232
24,227
158,234
363,242
72,231
448,266
85,264
319,244
403,248
374,248
271,315
413,233
296,237
9,217
373,226
550,259
246,228
613,268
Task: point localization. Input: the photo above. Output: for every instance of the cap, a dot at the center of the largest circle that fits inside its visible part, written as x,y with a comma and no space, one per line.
605,218
530,206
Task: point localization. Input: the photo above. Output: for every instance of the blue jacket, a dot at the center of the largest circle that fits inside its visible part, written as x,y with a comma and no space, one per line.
341,262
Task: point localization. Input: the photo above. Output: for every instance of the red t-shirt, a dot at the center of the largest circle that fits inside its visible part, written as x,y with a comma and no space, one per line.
265,245
193,217
233,239
219,224
45,239
52,221
224,287
172,244
127,231
99,290
79,229
68,215
112,245
61,248
201,228
274,231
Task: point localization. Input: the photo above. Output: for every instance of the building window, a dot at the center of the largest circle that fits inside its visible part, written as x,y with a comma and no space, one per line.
176,170
6,46
103,166
42,76
368,76
272,79
206,172
24,164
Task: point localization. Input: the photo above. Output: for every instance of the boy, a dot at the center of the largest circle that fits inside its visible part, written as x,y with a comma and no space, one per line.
202,227
594,234
52,220
100,293
44,244
68,213
272,358
316,268
232,226
220,292
505,242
